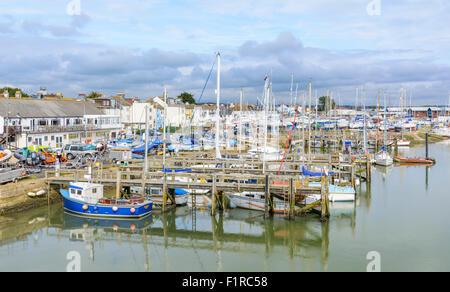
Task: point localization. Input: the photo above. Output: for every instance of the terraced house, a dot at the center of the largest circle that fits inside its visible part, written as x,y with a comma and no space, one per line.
54,123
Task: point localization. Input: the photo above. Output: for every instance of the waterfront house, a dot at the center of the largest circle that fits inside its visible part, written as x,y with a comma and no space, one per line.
55,123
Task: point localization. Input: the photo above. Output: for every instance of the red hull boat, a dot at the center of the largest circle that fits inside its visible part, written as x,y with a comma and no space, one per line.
414,160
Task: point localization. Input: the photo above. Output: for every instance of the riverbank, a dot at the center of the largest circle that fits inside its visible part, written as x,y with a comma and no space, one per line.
419,138
14,196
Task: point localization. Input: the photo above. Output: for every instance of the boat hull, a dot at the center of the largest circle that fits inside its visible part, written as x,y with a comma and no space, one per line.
407,160
258,204
103,210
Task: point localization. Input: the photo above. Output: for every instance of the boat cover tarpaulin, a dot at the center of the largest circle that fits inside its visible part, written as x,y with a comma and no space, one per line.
176,170
316,174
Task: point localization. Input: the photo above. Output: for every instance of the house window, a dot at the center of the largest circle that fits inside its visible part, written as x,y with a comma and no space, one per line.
30,139
45,138
53,138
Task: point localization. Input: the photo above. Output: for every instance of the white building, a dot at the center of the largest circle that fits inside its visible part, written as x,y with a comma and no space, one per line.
54,123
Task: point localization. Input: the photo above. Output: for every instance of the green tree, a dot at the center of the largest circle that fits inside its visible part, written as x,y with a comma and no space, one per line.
187,97
12,91
93,95
325,102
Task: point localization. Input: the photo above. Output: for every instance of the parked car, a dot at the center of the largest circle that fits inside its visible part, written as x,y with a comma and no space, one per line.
73,150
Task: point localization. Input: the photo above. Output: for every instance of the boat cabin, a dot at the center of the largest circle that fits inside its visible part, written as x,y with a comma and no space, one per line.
86,192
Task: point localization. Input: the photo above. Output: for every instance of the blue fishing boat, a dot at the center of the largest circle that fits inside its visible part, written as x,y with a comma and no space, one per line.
87,199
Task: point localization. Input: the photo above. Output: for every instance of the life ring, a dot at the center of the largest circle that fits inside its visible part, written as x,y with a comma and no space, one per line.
133,210
85,207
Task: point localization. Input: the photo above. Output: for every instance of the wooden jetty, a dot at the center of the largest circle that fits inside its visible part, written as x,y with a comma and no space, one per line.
230,175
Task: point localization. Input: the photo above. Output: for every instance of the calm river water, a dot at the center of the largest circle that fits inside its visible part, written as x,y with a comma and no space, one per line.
404,218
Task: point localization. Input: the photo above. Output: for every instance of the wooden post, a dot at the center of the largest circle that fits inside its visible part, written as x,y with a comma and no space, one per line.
368,170
164,192
213,195
291,199
266,202
324,200
118,184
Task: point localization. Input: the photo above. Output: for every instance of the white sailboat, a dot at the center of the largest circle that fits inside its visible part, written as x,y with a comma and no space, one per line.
383,158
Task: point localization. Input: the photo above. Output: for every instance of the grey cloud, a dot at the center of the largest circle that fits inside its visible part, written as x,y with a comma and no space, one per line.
285,43
71,67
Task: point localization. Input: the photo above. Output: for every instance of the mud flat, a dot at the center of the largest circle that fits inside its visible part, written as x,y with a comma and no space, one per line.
14,196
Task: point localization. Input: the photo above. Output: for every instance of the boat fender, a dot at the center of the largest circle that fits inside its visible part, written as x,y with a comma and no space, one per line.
85,207
133,210
30,194
133,227
115,209
232,205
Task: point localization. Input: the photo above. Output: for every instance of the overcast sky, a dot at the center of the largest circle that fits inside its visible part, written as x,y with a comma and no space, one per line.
142,46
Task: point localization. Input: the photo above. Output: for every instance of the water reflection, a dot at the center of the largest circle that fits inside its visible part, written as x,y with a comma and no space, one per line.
301,242
385,171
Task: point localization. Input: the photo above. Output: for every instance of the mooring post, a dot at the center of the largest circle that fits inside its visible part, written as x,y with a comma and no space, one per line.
214,195
426,145
325,208
368,169
352,174
291,199
118,184
164,192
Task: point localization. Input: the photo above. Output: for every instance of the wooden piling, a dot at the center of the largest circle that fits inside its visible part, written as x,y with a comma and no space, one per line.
291,199
368,169
165,193
267,194
214,195
118,185
325,207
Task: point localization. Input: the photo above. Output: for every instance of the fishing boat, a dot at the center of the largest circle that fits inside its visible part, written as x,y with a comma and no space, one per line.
87,199
414,160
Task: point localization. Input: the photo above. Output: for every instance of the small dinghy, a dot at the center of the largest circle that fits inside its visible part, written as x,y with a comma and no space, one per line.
414,160
5,155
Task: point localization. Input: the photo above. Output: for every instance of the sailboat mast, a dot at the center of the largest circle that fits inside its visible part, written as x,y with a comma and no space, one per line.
266,97
218,107
365,123
164,141
309,123
292,85
240,121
